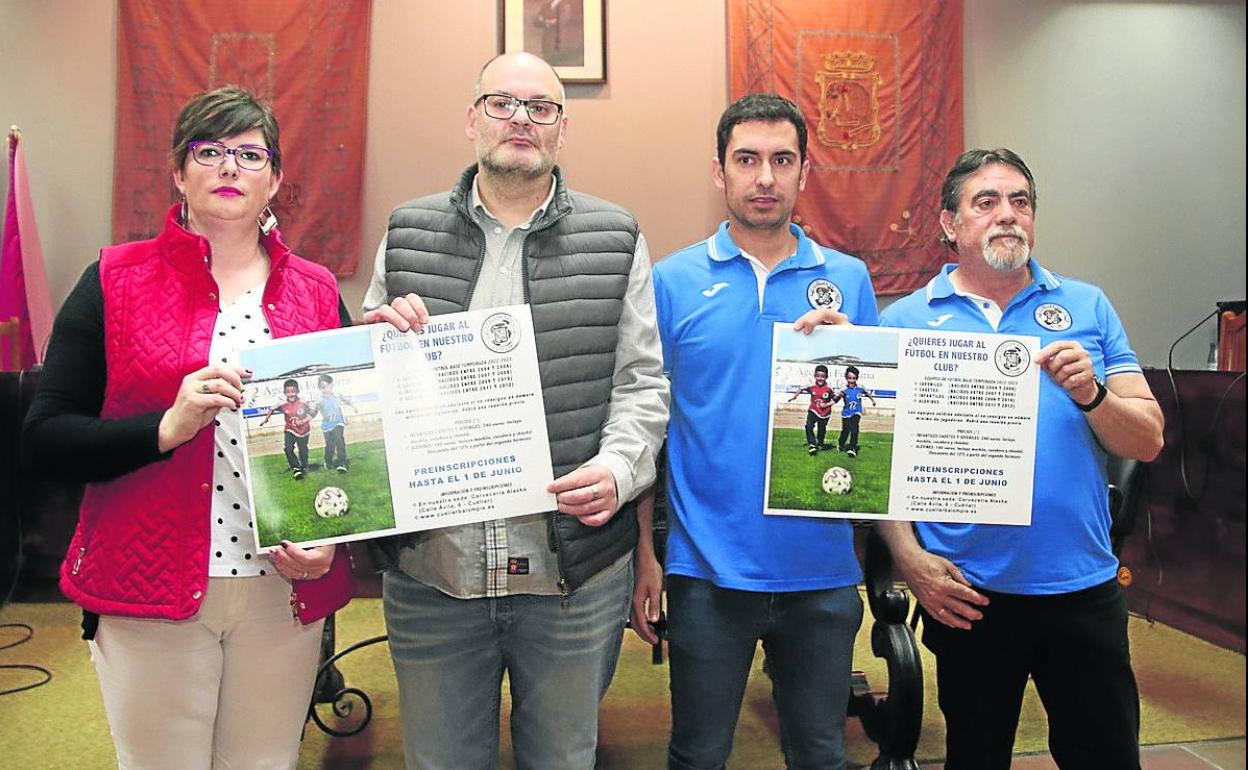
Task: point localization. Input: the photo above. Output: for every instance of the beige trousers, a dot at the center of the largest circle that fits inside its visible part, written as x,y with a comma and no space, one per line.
227,689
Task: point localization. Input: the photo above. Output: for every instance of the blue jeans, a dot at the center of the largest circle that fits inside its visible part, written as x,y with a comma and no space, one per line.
808,637
449,656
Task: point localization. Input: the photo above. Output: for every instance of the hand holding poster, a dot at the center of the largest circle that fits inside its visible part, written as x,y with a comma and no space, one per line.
412,430
871,423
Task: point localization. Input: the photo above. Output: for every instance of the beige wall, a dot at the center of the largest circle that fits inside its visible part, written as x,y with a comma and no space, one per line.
1130,114
1131,117
58,82
60,86
644,140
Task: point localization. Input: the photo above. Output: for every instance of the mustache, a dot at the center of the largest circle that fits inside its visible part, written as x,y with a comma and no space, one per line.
1008,231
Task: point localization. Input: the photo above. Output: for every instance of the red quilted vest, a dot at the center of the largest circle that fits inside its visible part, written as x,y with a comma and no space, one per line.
142,541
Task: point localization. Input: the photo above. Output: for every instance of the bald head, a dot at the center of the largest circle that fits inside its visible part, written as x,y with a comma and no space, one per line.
507,66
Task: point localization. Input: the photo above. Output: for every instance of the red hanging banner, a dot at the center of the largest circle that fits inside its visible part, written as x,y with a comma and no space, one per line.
309,59
880,85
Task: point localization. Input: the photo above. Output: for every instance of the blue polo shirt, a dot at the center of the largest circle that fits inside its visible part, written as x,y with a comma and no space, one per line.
717,352
1066,548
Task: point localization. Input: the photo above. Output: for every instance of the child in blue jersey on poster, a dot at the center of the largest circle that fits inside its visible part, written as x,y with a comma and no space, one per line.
333,423
851,413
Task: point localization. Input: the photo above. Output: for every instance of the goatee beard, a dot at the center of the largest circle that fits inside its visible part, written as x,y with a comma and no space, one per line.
1006,260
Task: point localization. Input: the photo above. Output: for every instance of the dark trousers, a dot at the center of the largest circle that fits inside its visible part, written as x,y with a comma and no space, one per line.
849,432
1074,647
816,429
336,448
808,637
296,451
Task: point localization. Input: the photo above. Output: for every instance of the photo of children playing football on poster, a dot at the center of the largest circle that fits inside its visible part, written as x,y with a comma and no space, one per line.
315,454
833,399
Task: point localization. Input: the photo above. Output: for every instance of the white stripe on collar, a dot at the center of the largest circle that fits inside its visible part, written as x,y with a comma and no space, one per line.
1049,278
711,249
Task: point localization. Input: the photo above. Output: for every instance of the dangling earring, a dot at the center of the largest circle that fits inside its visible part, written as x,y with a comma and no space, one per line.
185,221
267,221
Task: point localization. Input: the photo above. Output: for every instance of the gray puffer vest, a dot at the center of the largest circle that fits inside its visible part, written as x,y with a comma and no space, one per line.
577,259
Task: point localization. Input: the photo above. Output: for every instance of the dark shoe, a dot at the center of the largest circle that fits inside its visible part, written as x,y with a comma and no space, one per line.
812,450
298,475
852,453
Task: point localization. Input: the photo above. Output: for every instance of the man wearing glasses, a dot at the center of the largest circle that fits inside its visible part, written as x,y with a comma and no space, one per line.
542,597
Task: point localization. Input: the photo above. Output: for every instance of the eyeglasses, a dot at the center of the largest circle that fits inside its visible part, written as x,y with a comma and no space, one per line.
502,107
252,157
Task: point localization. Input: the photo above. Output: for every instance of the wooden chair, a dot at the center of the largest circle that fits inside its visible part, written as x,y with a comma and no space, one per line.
11,345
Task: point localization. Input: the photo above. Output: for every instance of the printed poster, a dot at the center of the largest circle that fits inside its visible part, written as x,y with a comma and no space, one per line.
916,425
368,431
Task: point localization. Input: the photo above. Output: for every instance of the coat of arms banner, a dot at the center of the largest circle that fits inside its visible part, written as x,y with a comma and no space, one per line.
309,59
880,85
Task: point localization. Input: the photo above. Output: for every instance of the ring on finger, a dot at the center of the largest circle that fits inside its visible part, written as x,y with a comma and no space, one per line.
940,611
594,490
204,387
304,576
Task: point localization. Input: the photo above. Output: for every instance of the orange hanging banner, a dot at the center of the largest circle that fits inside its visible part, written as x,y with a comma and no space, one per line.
307,58
880,85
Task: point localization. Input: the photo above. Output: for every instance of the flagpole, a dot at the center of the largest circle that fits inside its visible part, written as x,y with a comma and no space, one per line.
23,283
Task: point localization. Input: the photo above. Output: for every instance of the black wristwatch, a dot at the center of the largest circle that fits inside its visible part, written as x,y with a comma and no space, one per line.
1101,390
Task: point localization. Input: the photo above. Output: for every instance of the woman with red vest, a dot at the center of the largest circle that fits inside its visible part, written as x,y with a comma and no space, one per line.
206,650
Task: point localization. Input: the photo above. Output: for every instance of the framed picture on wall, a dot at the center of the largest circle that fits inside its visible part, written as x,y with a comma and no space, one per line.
570,34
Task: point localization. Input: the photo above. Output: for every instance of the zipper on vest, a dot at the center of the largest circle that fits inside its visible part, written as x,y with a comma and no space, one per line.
78,561
524,250
552,532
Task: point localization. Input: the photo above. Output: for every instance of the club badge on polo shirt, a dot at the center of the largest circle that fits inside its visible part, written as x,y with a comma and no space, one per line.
823,294
1053,317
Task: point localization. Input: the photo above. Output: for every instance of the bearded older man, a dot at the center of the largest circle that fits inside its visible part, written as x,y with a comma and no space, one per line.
542,597
1002,603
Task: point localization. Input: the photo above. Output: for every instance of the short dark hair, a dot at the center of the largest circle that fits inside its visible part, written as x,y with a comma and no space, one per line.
851,370
225,111
324,379
972,161
769,108
821,368
290,384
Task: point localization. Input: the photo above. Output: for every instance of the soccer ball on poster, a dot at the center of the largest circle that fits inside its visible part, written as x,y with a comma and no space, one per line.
331,502
837,481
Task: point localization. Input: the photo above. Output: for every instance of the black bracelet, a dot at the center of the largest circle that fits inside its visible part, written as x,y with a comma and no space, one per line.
1101,391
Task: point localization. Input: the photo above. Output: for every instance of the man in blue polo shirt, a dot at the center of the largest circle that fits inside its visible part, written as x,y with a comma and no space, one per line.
1001,603
734,575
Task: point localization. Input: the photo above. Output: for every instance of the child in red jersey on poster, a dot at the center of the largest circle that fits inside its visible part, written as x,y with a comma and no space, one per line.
298,427
821,399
